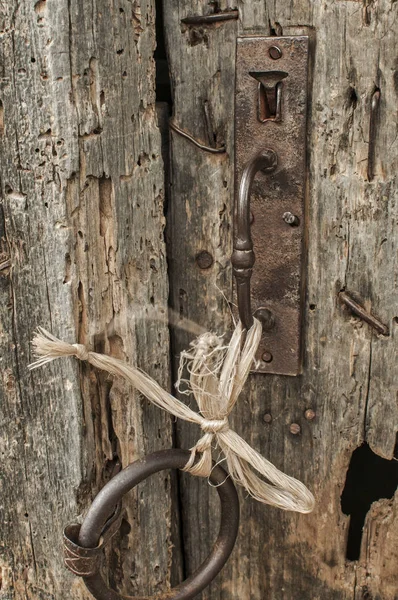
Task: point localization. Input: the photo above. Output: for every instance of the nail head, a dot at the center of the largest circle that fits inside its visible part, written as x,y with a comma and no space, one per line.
295,428
204,259
267,356
266,318
309,414
275,52
267,418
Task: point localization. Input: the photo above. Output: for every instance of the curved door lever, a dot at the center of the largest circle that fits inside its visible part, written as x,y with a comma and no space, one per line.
243,257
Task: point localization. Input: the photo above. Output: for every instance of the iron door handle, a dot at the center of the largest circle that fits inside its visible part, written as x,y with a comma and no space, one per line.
243,257
83,545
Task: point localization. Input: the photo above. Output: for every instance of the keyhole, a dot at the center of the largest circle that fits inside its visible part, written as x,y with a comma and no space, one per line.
269,94
369,478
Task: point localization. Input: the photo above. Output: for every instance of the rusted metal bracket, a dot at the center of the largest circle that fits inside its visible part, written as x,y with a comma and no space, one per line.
270,176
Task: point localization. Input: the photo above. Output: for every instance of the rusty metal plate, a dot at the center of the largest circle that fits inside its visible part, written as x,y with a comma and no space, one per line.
270,113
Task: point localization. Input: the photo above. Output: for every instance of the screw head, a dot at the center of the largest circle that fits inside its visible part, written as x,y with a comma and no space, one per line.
267,356
275,52
291,219
204,259
309,414
295,428
266,318
267,418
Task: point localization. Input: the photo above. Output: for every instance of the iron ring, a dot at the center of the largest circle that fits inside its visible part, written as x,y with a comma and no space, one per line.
88,536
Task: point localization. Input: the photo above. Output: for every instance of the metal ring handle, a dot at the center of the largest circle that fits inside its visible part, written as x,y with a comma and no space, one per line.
111,494
243,257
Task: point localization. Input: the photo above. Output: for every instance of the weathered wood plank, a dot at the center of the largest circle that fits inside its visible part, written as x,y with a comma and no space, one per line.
199,220
82,228
349,371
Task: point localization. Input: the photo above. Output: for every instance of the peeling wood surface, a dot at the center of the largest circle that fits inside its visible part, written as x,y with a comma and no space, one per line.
349,376
82,253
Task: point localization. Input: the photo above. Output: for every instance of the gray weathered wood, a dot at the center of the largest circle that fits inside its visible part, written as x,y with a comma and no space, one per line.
82,253
349,376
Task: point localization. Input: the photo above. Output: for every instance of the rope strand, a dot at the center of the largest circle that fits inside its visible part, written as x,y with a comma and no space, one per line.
217,374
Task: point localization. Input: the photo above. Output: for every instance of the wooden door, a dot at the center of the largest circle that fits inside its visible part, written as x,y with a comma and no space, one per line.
87,191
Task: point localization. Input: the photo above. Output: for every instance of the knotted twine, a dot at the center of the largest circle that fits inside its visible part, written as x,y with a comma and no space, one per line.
217,374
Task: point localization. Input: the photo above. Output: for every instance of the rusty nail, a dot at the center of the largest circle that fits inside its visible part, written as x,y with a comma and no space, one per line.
204,259
266,318
213,18
193,141
309,414
275,52
291,219
363,314
295,428
267,418
374,114
267,356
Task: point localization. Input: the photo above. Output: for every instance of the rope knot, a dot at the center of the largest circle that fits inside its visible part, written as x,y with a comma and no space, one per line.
81,351
215,425
217,374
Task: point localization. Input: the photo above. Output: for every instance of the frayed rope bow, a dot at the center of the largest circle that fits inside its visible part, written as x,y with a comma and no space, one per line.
217,374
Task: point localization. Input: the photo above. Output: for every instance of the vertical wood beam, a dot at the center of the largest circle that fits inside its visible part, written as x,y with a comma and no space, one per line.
82,253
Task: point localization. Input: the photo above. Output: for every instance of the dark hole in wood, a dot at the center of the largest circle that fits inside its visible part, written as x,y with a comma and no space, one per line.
369,478
163,85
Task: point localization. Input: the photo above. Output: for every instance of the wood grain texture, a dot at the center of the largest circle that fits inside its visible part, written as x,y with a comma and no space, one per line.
199,220
349,377
82,253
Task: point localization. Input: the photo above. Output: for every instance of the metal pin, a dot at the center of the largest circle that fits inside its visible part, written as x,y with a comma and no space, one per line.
186,135
374,118
363,314
213,18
